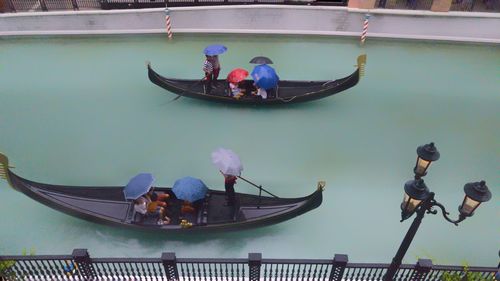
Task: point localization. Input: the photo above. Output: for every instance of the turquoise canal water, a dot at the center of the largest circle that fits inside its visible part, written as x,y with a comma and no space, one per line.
81,111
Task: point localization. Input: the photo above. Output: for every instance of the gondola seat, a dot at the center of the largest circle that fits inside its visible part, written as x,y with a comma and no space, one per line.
148,218
203,211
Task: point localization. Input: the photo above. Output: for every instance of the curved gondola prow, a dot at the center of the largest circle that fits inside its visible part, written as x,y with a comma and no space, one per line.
5,168
321,185
156,79
361,64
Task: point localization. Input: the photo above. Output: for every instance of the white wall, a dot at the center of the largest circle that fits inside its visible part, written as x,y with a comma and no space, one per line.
271,19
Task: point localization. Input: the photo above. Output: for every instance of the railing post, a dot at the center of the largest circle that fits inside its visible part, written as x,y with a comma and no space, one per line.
75,5
43,5
339,263
11,6
170,265
84,263
254,263
422,268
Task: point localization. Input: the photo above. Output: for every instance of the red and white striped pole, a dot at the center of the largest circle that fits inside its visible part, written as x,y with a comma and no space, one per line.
169,25
365,29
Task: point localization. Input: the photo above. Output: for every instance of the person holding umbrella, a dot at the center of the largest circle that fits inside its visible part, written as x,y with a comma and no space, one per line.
230,167
136,190
229,182
211,65
265,77
235,78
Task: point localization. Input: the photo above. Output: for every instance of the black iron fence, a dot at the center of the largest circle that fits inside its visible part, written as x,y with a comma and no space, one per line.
80,266
404,4
456,5
475,5
50,5
53,5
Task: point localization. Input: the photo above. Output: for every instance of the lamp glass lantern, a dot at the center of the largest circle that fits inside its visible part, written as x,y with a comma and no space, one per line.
426,155
415,192
475,194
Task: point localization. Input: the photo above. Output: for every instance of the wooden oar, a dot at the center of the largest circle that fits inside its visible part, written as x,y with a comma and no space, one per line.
258,186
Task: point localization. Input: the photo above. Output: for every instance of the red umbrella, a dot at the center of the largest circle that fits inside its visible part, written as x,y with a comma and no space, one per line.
237,75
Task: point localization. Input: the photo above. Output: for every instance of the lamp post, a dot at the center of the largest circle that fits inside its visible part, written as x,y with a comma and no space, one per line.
420,200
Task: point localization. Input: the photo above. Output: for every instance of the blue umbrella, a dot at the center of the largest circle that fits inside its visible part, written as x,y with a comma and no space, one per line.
138,186
189,189
213,50
265,76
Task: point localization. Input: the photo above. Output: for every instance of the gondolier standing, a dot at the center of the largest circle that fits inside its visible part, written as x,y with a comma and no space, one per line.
211,66
229,182
230,167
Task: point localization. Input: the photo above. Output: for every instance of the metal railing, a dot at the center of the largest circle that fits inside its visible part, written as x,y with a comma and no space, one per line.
404,4
475,5
456,5
51,5
80,266
54,5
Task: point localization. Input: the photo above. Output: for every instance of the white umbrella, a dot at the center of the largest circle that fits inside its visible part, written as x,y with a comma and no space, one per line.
227,161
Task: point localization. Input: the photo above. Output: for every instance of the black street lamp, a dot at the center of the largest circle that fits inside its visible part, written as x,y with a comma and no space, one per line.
426,154
418,199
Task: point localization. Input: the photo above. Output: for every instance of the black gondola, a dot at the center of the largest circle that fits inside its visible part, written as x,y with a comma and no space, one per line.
285,92
107,205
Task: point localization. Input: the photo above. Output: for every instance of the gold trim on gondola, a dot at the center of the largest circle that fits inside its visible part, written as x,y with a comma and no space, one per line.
361,64
321,185
4,168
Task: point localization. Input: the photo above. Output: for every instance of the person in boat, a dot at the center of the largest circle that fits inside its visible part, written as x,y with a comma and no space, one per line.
161,198
211,67
236,90
147,207
229,182
260,92
187,207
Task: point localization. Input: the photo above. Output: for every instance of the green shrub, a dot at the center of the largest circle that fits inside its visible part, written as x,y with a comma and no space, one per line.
466,275
5,268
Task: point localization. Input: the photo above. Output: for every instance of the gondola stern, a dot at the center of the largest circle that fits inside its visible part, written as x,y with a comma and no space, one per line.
5,169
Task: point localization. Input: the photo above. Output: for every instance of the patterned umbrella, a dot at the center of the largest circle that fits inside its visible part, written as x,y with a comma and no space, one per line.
237,75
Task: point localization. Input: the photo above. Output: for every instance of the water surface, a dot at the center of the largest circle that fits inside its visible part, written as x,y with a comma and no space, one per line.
81,111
